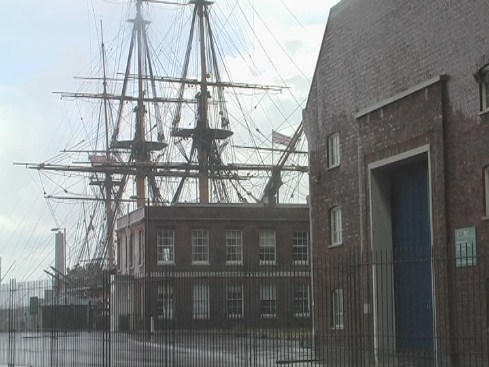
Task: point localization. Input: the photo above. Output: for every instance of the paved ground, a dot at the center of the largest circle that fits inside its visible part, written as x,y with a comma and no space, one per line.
169,349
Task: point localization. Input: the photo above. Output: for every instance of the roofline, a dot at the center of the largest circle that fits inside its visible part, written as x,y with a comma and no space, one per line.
321,50
233,205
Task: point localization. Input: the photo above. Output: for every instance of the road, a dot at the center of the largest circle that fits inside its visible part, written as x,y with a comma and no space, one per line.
182,349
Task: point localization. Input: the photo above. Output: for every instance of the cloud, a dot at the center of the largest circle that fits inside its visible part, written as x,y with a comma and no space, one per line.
7,223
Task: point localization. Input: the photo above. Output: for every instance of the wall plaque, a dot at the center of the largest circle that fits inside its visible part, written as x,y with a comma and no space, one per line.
466,247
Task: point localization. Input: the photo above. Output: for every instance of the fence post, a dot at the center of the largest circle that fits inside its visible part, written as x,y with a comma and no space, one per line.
106,348
11,325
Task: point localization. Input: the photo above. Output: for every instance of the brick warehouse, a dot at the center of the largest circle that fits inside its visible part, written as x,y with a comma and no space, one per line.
214,266
397,123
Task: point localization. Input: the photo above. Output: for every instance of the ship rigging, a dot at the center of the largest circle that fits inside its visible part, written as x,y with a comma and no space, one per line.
173,139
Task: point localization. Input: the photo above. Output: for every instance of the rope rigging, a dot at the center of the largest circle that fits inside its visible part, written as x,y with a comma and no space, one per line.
230,114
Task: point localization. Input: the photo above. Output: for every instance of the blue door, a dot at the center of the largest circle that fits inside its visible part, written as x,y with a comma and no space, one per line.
412,257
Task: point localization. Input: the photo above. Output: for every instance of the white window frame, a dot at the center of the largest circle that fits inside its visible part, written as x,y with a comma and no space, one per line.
200,247
302,305
486,191
268,246
338,309
234,247
336,226
165,246
300,247
201,302
234,301
484,88
334,155
268,301
165,302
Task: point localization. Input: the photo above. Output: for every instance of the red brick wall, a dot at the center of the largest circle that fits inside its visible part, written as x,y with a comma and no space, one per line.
217,219
373,50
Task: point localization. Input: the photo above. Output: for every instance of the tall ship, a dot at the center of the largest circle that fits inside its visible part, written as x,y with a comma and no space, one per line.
169,123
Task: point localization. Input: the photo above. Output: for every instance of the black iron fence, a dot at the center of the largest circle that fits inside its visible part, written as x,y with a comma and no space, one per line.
354,309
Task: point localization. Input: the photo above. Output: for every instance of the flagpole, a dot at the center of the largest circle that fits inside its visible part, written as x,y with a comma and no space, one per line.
275,181
272,148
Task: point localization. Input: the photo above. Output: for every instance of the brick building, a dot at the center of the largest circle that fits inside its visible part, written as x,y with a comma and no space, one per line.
214,266
397,123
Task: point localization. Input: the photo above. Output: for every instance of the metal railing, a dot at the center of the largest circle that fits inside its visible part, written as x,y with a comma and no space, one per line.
352,309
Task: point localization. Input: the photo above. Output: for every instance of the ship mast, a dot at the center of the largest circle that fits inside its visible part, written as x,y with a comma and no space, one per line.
129,152
204,137
110,217
139,147
203,143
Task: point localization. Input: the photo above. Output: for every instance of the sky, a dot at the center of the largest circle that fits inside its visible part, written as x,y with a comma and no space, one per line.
44,45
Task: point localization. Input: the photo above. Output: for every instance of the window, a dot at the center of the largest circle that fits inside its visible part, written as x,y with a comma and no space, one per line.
333,150
336,226
301,300
267,247
338,316
141,248
201,302
165,246
234,301
234,247
165,304
484,88
300,246
200,246
486,191
268,301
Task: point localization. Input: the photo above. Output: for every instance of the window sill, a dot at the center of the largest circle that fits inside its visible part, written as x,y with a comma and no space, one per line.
299,263
338,328
234,317
203,263
485,112
165,318
268,316
265,263
301,315
336,245
330,168
485,217
163,263
234,263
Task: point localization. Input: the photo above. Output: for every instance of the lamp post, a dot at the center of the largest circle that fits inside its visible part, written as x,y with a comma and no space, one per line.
60,257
